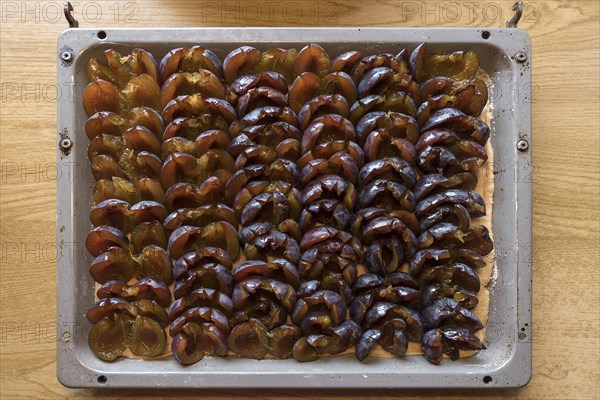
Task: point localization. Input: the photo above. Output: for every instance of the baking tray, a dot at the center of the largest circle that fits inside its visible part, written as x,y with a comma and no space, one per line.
503,55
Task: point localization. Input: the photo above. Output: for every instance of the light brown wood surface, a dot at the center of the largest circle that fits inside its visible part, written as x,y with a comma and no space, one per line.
565,177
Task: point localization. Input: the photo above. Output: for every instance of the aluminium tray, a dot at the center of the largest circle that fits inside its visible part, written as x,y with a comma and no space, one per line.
506,362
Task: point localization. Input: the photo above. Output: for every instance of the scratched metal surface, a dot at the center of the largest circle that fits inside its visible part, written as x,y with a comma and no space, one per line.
508,357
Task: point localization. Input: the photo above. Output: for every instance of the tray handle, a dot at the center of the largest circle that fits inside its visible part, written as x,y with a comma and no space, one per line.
518,9
68,10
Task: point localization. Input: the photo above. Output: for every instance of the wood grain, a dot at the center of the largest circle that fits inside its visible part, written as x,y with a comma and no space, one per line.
565,177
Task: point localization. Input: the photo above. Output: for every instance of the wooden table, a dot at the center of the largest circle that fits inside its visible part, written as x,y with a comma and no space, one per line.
565,176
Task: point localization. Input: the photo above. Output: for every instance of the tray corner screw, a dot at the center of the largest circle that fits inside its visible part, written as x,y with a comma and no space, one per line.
523,145
66,144
66,56
521,57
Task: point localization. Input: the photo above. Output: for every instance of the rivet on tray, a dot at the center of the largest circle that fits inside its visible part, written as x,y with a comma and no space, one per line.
521,57
66,56
66,144
522,145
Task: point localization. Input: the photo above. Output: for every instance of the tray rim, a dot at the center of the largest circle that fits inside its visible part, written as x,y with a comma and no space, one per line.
72,369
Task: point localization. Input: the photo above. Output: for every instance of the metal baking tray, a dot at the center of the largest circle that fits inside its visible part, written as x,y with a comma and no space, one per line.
503,53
